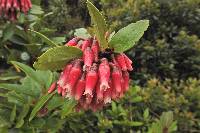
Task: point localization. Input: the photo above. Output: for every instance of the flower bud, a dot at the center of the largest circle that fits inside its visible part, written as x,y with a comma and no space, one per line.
52,87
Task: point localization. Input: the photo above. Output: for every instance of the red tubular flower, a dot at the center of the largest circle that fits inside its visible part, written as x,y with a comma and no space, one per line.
8,4
95,49
72,42
9,9
80,87
104,74
126,80
96,78
74,74
91,80
88,57
99,93
64,75
52,87
128,63
64,92
116,78
121,94
114,94
86,43
121,61
107,94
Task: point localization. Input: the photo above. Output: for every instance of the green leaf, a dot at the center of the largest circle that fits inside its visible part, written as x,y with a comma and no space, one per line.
40,104
17,88
136,99
13,114
8,32
166,119
16,98
99,24
67,108
37,123
28,70
55,102
128,123
82,33
22,115
58,40
36,10
57,57
146,113
126,37
44,38
10,78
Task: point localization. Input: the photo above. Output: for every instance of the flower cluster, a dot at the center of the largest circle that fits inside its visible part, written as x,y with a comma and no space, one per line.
10,9
96,78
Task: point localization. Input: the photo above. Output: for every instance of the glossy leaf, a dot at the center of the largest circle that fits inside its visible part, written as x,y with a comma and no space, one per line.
40,104
56,58
99,24
126,37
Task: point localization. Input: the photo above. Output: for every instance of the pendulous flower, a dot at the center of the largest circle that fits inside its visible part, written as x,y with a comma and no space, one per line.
95,79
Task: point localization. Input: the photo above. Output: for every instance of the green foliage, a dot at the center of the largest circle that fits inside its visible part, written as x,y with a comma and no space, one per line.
45,39
126,37
169,49
99,25
56,58
22,102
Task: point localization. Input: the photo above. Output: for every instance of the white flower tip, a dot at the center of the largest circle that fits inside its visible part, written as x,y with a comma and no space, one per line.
107,100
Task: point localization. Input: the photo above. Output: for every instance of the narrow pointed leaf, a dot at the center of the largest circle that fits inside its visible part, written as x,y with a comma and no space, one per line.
57,57
44,38
99,24
126,38
13,114
40,104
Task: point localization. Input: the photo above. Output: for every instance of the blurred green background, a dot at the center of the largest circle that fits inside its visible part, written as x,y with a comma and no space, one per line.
165,90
